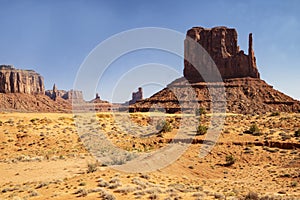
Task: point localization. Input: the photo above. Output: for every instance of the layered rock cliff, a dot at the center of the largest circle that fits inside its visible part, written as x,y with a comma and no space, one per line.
14,80
221,44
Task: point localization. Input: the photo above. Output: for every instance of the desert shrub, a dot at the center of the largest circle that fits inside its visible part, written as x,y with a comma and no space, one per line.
107,196
154,196
297,133
163,127
254,130
82,184
273,114
294,184
1,123
10,121
200,111
102,183
118,160
251,196
34,120
92,167
201,130
230,160
125,190
33,193
81,192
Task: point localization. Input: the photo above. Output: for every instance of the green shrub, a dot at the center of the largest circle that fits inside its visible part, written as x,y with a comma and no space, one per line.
164,127
273,114
254,130
230,160
297,133
200,111
294,184
201,130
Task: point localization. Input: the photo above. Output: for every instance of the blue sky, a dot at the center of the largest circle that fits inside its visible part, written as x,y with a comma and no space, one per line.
54,37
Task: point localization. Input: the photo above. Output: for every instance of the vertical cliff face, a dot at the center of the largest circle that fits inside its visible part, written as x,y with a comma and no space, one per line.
221,45
20,81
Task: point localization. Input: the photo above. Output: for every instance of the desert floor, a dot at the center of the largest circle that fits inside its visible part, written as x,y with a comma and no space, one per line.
43,156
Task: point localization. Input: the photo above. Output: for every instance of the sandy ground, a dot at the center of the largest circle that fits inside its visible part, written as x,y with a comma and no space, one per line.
44,156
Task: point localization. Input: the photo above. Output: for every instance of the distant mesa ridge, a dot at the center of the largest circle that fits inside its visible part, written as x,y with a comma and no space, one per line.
245,92
14,80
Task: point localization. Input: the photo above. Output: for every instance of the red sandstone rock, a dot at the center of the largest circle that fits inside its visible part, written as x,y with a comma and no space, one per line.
245,92
20,81
243,95
136,96
221,45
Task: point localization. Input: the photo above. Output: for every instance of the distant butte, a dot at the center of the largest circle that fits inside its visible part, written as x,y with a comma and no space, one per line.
245,92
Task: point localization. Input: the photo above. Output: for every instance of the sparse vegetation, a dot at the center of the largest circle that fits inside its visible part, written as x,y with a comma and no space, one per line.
34,120
201,130
81,192
230,160
297,133
164,127
48,140
82,184
251,196
92,167
254,130
294,184
200,111
273,114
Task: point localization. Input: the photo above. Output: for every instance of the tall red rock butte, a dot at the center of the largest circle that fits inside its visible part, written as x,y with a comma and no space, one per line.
245,92
221,45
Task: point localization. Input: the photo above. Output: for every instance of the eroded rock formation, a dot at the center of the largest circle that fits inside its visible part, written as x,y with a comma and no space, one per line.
221,45
14,80
245,92
136,96
67,95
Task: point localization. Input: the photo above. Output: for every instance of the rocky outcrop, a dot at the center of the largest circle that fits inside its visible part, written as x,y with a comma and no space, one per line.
243,95
245,92
136,96
14,80
67,95
54,93
221,45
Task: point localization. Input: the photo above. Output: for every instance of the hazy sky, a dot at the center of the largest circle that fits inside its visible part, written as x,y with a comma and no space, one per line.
54,37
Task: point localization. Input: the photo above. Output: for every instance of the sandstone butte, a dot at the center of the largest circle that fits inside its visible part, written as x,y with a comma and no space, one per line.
245,92
24,91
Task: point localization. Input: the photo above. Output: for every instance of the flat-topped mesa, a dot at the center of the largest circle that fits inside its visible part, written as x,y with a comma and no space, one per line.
221,44
14,80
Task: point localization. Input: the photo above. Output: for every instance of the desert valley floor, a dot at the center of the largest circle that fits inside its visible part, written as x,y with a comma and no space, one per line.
42,157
